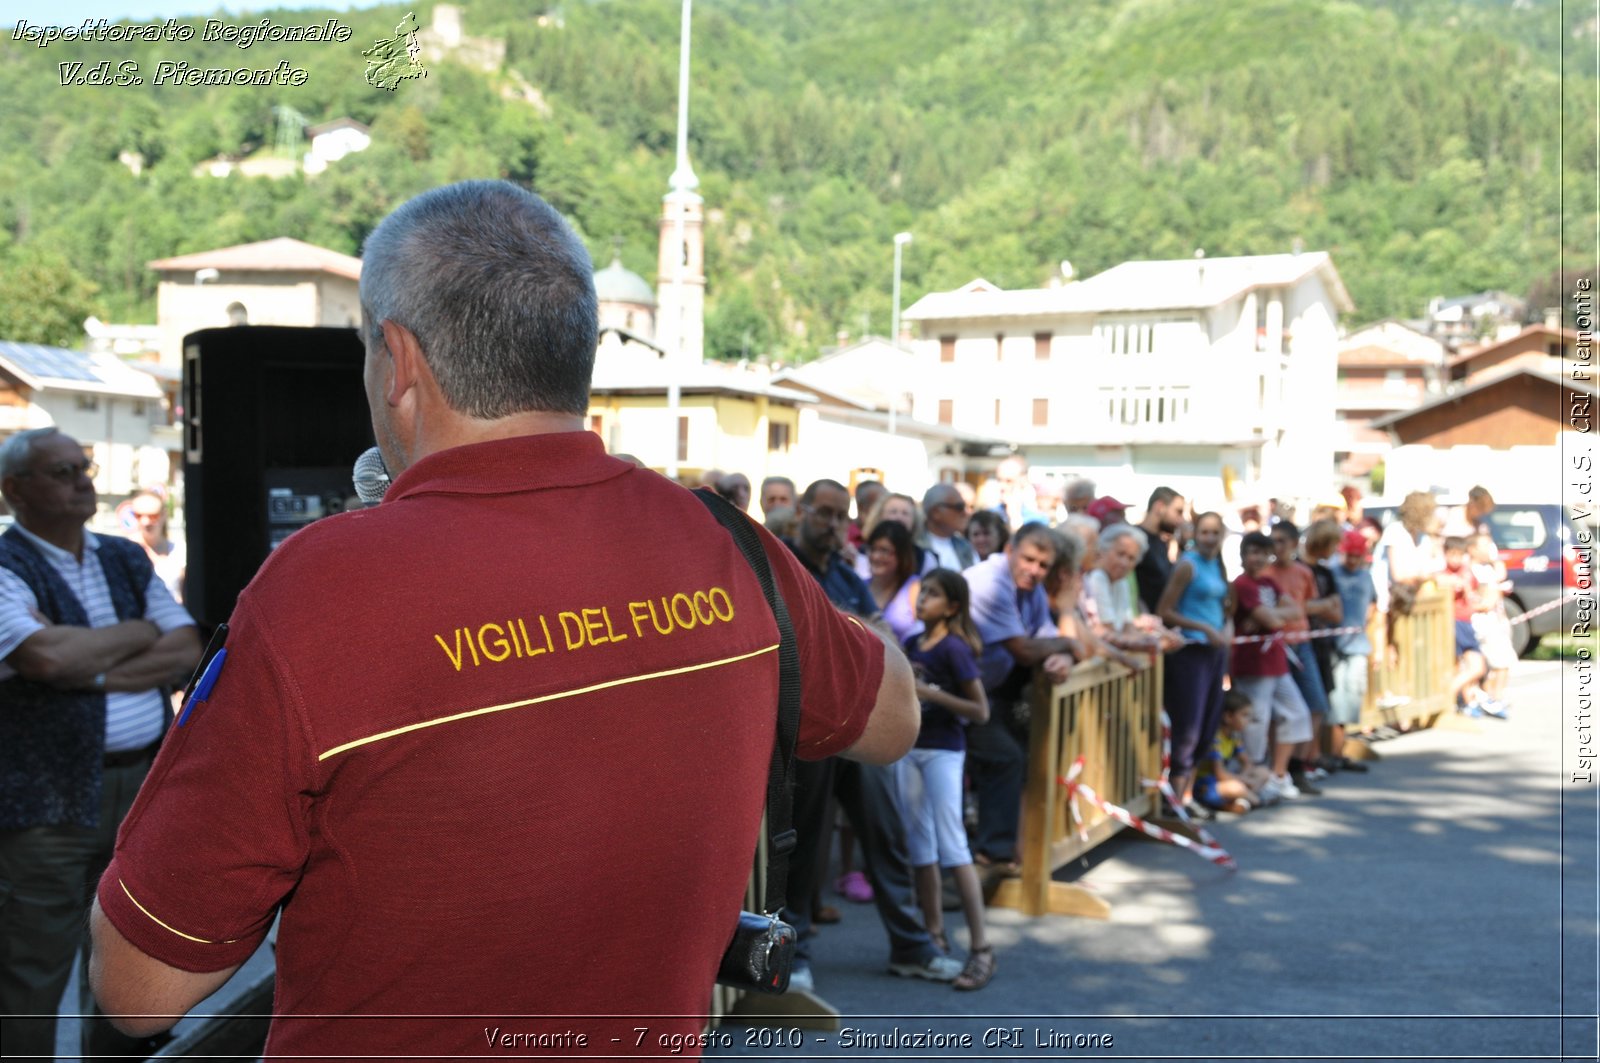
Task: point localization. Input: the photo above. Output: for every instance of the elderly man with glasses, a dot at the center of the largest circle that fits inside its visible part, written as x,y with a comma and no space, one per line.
91,643
946,512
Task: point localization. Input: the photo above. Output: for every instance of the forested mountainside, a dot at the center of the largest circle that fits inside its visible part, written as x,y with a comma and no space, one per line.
1431,145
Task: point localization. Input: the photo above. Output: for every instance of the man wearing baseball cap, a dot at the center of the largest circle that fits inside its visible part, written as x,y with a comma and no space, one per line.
1108,511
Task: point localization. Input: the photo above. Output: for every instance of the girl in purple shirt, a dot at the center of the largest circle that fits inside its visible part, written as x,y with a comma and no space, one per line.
928,779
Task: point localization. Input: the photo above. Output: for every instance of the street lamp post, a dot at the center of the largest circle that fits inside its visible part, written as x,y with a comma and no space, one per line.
900,240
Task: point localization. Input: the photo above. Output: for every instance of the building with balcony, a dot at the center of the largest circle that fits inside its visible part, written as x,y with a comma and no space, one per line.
1199,373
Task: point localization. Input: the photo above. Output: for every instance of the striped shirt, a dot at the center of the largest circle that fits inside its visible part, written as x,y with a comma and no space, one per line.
133,719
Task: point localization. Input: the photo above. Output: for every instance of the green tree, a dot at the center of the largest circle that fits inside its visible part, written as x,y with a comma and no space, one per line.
43,299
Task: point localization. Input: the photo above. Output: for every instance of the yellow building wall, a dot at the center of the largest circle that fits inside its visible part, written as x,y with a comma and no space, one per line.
725,432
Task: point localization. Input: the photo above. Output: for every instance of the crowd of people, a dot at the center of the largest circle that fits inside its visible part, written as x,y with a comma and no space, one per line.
1266,631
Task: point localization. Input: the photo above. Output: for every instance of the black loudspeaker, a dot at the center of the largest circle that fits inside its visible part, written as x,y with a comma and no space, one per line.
273,420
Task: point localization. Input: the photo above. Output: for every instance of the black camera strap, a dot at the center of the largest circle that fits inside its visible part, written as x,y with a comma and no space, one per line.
780,779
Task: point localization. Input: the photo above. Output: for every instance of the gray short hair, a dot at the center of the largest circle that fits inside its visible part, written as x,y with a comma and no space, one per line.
499,292
1069,548
17,451
1079,487
1109,537
1086,526
938,494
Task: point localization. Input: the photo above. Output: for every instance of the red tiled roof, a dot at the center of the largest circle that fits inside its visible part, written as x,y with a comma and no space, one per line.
285,254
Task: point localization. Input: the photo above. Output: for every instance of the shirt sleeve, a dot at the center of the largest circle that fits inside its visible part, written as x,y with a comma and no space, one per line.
841,662
219,832
162,610
963,665
995,612
16,620
1247,596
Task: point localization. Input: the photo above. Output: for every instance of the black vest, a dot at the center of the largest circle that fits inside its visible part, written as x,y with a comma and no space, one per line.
54,740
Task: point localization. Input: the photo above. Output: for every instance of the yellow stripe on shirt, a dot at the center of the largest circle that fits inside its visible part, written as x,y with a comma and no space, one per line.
346,747
151,916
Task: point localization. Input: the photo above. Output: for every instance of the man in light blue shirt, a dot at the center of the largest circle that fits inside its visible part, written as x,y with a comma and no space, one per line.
1012,615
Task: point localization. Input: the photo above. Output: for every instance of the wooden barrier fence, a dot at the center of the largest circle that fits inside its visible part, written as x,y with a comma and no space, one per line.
1111,716
1412,686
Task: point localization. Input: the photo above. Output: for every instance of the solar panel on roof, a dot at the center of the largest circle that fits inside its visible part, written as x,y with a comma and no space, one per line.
51,362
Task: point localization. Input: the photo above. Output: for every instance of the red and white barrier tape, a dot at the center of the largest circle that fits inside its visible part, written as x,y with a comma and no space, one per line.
1215,854
1333,632
1545,608
1298,636
1164,786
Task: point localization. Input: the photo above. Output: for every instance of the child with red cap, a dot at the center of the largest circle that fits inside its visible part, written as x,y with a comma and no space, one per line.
1357,597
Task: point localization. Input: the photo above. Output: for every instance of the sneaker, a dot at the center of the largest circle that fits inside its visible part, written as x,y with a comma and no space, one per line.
1303,784
1472,712
934,969
1346,764
1317,773
854,887
801,979
1496,708
1270,794
1287,790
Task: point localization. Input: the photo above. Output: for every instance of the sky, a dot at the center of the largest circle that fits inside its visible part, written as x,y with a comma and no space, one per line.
73,12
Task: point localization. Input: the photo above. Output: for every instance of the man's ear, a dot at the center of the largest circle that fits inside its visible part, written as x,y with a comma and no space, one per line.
407,366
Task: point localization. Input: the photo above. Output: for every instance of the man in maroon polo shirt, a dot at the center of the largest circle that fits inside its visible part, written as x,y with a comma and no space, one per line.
511,765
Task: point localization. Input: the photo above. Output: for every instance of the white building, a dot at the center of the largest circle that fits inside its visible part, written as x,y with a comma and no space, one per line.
1209,375
864,417
332,141
273,282
107,405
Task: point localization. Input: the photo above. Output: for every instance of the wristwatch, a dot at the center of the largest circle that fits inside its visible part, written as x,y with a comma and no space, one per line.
100,683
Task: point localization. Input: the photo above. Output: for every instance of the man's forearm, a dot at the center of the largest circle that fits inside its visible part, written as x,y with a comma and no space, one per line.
167,663
1029,652
69,657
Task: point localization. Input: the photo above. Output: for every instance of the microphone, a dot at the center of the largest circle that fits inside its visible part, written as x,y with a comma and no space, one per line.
371,476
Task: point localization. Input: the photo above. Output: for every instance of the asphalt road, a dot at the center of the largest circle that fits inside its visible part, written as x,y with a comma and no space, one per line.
1415,911
1442,906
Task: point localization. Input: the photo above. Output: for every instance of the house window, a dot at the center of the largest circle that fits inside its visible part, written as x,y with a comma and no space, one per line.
1041,412
1041,345
947,348
89,402
138,408
999,346
777,436
683,439
947,409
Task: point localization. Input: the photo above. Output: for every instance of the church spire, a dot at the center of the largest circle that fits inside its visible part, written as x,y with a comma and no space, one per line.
680,273
683,179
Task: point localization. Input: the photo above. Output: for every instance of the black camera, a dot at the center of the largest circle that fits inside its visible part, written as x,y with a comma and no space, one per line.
760,956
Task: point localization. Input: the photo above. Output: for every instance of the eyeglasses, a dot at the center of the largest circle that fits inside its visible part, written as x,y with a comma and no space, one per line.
66,472
827,515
